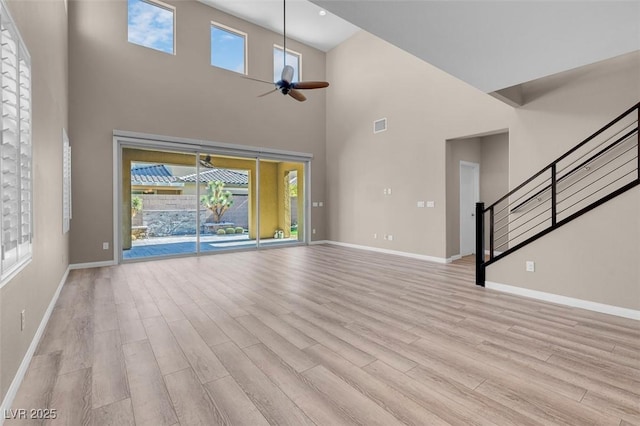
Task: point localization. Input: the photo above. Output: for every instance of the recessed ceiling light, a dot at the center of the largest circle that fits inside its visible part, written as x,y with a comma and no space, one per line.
322,12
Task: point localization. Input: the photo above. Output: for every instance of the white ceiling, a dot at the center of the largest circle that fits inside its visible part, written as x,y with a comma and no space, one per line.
490,44
304,22
494,44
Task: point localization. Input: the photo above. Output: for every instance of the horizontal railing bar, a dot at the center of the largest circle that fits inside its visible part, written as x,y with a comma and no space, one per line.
564,221
600,167
524,223
519,187
522,196
503,209
571,151
605,127
503,226
595,192
502,218
617,143
525,232
633,125
599,154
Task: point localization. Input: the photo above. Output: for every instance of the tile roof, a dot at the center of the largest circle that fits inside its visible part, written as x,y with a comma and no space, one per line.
158,174
151,175
229,177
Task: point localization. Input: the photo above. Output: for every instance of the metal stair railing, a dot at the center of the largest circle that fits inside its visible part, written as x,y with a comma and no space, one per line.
598,169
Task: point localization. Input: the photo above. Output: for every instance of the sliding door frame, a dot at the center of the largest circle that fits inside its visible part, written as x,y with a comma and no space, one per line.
125,139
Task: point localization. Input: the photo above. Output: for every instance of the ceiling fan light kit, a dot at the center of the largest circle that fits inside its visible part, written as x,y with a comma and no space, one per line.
285,85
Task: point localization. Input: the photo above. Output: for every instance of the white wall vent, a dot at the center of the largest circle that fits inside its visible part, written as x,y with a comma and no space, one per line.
380,125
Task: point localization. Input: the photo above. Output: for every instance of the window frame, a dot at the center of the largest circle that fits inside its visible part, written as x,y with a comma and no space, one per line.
161,5
233,31
23,146
289,51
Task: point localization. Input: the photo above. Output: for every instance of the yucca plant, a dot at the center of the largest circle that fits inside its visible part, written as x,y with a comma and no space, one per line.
217,199
136,205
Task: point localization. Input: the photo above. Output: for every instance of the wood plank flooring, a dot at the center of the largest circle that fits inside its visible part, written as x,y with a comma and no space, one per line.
323,335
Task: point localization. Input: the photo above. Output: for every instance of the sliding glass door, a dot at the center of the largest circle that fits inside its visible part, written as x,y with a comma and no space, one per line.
281,200
177,203
159,203
228,196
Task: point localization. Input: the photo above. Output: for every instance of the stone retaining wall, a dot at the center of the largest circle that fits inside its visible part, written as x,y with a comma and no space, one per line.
165,215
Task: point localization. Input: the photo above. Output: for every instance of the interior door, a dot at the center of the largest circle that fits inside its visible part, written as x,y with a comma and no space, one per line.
469,196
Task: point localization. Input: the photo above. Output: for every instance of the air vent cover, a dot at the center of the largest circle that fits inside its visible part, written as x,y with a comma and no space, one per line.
380,125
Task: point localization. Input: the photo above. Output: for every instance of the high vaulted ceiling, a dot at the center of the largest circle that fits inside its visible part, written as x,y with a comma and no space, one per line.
497,44
490,44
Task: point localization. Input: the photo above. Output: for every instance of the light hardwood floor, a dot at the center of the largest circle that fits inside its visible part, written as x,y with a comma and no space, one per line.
323,335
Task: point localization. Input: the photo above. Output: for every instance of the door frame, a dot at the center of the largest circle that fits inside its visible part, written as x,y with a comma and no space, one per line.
125,139
476,189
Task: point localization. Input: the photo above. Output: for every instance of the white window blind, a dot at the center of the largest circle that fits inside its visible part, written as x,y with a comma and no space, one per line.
15,148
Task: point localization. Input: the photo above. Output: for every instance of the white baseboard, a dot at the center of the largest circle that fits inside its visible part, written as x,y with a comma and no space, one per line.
317,242
454,258
387,251
567,301
26,360
92,264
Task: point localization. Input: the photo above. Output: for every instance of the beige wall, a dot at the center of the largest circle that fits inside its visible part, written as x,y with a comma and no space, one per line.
492,154
494,173
494,179
425,107
596,257
43,26
458,150
118,85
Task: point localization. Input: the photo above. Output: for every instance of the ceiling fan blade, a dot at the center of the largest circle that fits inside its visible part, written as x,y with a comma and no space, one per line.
268,93
287,73
257,79
297,95
310,85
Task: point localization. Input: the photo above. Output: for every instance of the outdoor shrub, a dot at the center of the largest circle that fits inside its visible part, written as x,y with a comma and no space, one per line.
239,230
221,232
230,230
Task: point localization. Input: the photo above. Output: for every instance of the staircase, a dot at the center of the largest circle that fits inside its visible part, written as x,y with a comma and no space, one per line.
598,169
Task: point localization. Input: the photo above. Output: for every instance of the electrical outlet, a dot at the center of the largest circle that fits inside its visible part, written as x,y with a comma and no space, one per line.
314,204
313,231
530,266
23,320
105,246
420,204
375,236
321,204
388,191
390,237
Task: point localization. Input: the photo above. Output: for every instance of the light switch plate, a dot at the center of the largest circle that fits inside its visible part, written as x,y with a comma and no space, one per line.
314,204
420,204
431,204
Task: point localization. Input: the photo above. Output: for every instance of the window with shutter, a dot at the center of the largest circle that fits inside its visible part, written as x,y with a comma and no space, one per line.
15,148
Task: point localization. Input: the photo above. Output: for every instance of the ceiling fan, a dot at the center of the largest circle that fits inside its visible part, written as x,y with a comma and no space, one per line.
285,85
